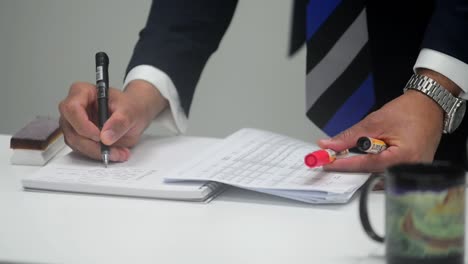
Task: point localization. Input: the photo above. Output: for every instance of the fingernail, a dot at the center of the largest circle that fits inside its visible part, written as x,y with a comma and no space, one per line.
109,135
115,155
124,154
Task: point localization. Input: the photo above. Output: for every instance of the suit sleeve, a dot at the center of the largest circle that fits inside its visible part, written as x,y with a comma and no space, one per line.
448,29
178,39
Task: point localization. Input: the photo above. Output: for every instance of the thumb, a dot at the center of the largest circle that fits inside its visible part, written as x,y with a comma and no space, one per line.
116,127
344,140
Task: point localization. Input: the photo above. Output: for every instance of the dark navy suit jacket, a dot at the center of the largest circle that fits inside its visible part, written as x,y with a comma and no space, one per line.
180,36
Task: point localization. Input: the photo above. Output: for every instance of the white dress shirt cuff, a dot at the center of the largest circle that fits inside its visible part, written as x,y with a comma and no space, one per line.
173,117
452,68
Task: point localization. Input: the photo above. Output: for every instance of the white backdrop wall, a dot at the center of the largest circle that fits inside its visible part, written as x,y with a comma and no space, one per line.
45,45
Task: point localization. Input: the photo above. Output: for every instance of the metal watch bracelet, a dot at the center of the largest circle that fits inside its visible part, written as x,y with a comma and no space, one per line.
433,89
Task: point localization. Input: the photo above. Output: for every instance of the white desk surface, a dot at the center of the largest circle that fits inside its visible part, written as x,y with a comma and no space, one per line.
239,226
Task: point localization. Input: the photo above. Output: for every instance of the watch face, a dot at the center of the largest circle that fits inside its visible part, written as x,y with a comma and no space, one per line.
457,117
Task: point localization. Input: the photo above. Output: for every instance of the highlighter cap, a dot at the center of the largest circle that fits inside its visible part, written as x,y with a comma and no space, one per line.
317,158
310,160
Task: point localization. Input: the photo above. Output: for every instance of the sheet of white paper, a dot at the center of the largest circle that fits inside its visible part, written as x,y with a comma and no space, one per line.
96,176
144,171
257,159
311,196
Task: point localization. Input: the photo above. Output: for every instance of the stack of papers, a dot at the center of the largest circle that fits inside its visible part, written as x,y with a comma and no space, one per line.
271,163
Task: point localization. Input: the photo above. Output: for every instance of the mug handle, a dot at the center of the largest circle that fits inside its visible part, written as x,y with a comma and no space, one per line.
368,186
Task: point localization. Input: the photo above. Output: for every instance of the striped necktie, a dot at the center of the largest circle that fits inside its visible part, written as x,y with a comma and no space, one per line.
340,89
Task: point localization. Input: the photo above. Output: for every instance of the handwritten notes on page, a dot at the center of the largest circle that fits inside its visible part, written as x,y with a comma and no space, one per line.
141,176
105,176
271,163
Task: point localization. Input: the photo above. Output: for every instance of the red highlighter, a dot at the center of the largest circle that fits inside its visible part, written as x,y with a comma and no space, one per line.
322,157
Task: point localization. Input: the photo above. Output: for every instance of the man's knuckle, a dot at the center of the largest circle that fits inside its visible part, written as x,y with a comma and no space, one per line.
123,120
345,134
76,86
70,140
68,107
61,106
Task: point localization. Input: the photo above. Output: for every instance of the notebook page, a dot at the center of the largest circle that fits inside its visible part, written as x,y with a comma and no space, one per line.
146,168
94,176
257,159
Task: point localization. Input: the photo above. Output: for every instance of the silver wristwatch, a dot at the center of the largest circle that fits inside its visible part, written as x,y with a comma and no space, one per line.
453,106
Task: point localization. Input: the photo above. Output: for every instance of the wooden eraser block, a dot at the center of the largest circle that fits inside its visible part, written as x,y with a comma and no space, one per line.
37,142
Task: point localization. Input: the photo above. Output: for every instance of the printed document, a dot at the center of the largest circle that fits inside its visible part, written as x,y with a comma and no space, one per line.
271,163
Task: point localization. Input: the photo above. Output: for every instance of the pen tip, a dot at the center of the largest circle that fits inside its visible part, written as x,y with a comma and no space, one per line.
105,159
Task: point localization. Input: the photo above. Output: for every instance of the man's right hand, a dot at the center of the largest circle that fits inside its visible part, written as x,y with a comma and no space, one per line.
131,112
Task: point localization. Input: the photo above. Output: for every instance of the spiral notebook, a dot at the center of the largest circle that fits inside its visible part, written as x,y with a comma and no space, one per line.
141,176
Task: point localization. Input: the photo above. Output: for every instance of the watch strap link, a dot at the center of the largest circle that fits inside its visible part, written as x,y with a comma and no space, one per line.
433,89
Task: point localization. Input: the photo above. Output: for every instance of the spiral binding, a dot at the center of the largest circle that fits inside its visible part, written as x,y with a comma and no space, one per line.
213,186
216,188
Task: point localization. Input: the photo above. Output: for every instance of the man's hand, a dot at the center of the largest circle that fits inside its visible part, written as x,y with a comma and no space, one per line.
131,112
411,125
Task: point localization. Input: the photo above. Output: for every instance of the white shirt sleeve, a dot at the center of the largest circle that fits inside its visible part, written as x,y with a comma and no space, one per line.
173,117
452,68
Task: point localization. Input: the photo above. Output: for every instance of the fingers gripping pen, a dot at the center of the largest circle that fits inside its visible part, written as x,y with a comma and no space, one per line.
102,85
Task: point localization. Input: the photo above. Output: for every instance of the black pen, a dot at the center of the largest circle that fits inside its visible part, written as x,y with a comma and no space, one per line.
102,85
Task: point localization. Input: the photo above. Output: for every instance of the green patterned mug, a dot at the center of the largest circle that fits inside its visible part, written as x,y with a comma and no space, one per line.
424,213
